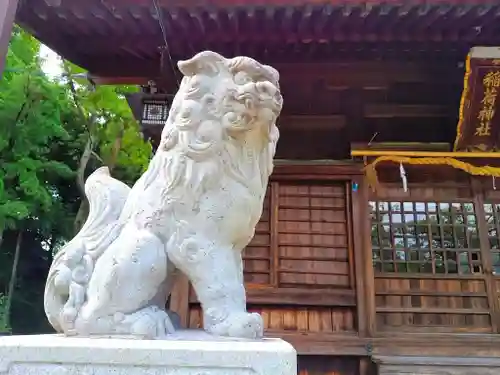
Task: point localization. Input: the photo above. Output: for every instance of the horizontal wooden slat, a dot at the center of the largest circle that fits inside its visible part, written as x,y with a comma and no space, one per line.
310,122
301,297
260,240
317,240
303,190
314,267
432,310
401,146
393,343
407,111
424,276
262,227
435,329
257,278
313,253
253,265
312,227
295,297
256,252
321,344
430,343
430,293
306,202
309,279
265,216
314,215
299,194
334,171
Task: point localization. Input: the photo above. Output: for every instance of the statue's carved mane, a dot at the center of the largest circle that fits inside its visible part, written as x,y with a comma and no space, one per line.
193,148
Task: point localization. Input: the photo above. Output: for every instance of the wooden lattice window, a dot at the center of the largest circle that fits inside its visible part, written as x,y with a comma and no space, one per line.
425,237
492,213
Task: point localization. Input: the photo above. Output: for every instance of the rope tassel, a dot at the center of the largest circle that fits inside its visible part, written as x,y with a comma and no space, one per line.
402,173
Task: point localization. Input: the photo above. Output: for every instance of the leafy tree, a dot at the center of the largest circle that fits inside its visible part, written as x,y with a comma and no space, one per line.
4,326
30,113
53,133
112,134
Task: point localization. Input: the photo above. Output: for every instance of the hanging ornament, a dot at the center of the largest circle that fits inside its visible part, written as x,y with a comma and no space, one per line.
402,173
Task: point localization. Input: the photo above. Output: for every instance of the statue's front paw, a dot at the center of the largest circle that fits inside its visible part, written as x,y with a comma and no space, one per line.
242,325
150,323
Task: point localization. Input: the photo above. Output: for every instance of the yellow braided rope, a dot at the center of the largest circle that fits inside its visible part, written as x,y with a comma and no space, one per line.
371,172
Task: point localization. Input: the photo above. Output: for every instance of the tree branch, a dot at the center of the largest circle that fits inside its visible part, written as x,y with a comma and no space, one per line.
117,145
13,276
88,123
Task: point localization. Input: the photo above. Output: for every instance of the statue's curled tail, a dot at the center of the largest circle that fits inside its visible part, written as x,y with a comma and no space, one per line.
73,265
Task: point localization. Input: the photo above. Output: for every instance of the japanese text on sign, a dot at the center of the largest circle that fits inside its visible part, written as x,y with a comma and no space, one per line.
491,83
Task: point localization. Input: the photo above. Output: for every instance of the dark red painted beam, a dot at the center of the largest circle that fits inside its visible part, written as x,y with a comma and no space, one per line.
234,3
7,14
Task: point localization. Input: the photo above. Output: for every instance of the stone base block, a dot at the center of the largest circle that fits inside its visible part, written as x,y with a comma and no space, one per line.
184,354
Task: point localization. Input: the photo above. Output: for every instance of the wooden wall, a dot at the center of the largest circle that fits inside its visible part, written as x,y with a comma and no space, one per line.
333,269
329,106
431,269
343,272
299,266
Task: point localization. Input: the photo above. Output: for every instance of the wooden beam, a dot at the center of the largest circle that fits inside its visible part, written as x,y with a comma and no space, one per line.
311,122
8,10
401,146
424,154
337,75
295,297
405,111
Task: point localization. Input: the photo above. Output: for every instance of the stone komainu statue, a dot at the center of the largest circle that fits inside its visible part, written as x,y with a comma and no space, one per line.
194,210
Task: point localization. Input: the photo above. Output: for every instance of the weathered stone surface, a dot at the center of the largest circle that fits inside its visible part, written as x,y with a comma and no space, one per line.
194,210
185,354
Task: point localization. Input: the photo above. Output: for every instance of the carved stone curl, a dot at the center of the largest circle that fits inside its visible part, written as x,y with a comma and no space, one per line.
194,210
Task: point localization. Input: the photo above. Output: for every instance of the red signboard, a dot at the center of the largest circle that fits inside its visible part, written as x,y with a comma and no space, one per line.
479,123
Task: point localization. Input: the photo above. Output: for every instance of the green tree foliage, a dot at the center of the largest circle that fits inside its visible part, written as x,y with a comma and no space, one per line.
30,111
53,133
4,326
112,134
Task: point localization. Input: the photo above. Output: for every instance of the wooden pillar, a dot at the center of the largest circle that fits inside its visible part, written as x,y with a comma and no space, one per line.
7,15
486,257
365,279
179,299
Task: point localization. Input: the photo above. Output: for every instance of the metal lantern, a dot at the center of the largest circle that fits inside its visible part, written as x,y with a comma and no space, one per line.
151,110
154,111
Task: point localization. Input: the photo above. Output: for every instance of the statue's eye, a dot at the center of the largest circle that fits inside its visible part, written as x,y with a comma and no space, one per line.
241,78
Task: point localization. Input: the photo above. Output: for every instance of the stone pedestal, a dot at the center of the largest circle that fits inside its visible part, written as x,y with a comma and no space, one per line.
184,354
